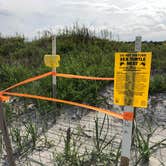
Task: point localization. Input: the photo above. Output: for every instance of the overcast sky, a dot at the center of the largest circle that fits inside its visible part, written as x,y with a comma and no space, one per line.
126,18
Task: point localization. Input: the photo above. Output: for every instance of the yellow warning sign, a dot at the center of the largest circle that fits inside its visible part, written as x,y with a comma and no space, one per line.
52,60
132,74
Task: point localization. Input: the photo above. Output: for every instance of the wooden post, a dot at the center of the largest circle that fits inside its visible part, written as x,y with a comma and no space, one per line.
54,69
6,138
126,139
138,41
128,125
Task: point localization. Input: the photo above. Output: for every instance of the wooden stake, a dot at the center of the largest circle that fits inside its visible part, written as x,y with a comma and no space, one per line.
6,138
126,139
124,161
54,69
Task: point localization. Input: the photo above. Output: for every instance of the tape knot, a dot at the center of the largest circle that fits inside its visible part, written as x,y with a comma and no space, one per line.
128,116
4,98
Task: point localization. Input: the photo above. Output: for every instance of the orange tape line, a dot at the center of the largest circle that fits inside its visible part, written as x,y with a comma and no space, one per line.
82,77
125,115
114,114
28,80
4,98
58,75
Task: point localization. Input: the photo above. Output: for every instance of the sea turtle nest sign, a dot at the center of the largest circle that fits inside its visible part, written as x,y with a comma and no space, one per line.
132,74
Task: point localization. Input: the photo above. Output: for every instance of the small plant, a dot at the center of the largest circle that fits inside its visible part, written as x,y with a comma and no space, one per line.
103,149
47,143
31,131
20,140
70,156
17,138
67,143
143,144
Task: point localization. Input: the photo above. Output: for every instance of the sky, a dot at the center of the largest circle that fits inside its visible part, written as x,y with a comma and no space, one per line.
124,18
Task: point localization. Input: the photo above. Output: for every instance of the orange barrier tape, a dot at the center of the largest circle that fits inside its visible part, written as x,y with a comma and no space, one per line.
114,114
128,115
28,80
4,98
58,75
82,77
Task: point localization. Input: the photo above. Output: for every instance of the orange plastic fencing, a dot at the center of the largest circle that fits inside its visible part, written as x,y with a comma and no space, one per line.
108,112
27,81
58,75
4,98
126,115
82,77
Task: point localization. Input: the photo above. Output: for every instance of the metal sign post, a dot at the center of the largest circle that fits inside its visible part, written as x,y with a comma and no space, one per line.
6,138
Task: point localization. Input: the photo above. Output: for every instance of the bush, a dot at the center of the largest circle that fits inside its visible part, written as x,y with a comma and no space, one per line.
158,84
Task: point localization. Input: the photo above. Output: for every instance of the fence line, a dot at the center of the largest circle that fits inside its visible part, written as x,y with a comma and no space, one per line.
126,115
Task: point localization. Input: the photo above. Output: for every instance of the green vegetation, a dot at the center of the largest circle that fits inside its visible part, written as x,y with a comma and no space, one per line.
158,83
81,53
143,143
102,151
22,139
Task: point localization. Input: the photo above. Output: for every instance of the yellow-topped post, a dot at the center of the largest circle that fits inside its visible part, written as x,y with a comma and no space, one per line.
54,68
52,61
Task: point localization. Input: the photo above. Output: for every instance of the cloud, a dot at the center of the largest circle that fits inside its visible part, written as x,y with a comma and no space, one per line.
124,17
160,27
4,12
